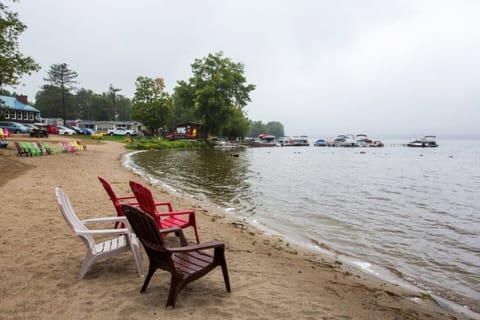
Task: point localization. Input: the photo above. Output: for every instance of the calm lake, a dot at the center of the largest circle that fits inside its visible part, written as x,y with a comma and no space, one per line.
413,211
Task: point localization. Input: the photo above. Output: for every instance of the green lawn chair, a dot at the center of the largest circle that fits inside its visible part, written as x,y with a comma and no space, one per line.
28,146
48,149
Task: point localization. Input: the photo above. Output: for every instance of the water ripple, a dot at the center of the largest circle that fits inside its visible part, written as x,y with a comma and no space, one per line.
416,215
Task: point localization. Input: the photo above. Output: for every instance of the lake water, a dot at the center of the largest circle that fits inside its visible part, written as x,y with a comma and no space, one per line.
413,211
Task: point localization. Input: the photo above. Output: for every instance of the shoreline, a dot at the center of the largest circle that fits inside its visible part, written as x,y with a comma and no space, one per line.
270,278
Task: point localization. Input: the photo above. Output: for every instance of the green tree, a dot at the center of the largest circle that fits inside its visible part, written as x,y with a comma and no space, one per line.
218,85
275,128
152,105
113,93
13,64
87,103
48,100
61,77
237,124
183,96
123,107
256,128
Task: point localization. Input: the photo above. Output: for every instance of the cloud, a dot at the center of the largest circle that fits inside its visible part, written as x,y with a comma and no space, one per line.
320,67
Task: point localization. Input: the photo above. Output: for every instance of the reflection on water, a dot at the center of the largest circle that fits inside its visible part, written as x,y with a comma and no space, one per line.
210,173
411,210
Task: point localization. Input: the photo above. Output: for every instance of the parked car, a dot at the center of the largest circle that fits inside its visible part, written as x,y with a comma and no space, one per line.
65,131
29,127
88,131
14,127
121,132
52,129
76,129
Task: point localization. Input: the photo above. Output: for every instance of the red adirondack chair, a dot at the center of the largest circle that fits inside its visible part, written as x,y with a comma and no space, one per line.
163,219
117,200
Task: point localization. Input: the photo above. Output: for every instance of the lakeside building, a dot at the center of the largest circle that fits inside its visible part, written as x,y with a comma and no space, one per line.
17,109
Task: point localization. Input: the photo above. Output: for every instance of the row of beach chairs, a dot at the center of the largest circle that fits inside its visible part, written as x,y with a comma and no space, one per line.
4,133
31,149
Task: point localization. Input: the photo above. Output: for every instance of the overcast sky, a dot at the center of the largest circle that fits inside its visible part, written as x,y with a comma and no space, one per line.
322,68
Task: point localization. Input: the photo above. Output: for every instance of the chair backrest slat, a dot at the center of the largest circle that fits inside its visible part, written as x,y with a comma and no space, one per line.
71,217
144,197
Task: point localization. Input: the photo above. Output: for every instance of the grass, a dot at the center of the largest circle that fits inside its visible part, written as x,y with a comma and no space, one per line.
152,143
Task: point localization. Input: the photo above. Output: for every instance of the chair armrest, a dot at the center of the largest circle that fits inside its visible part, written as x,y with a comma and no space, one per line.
167,230
105,219
126,197
200,246
178,232
165,203
101,232
175,213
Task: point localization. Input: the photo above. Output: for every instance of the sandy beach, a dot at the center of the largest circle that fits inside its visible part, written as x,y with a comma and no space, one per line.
270,279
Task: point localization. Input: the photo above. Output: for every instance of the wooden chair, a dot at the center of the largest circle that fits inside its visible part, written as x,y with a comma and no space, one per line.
48,149
185,263
78,146
164,219
3,135
117,200
21,151
124,240
37,146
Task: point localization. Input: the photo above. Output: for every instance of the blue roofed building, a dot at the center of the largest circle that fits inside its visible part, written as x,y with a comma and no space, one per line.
17,109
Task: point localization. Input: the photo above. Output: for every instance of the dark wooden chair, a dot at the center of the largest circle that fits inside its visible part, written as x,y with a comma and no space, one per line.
185,263
21,151
163,219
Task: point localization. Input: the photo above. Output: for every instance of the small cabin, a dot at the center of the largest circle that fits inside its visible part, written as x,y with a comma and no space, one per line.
189,130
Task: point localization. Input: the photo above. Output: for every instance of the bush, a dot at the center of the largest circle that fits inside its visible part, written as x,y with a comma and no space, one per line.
158,144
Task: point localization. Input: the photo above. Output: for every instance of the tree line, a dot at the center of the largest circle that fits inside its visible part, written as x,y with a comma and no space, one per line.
215,95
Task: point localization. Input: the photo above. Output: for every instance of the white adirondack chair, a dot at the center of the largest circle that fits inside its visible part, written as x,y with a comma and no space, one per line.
125,239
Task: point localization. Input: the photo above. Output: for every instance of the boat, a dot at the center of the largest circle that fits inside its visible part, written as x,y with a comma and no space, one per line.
283,140
349,141
297,142
425,142
320,143
376,144
263,140
363,140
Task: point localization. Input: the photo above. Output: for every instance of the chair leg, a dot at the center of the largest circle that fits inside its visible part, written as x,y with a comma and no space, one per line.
137,255
151,270
196,233
220,259
86,265
176,285
226,279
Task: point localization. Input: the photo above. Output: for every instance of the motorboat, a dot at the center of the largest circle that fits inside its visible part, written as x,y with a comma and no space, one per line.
297,142
363,140
349,141
376,144
320,143
425,142
263,140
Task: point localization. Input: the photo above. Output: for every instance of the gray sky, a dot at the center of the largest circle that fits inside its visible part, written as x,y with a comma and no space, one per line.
322,68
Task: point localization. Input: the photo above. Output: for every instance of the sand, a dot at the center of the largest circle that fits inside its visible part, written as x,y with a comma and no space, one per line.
271,279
